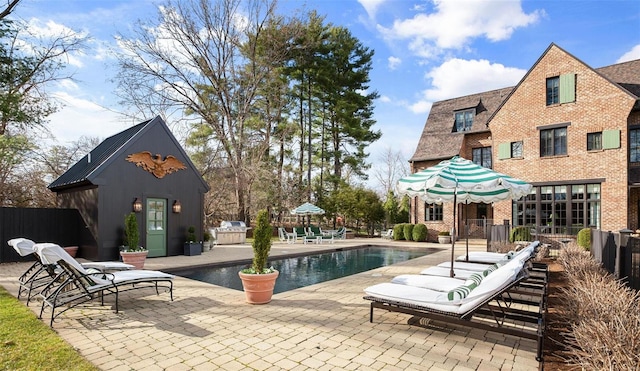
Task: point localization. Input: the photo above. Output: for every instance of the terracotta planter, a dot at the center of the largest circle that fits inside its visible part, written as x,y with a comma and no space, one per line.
258,288
71,250
135,258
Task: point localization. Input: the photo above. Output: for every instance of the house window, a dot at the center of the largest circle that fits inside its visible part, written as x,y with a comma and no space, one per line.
559,209
432,212
634,145
482,156
464,120
594,141
553,142
553,90
516,149
561,89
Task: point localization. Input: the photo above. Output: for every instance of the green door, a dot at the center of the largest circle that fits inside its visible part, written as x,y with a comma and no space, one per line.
157,227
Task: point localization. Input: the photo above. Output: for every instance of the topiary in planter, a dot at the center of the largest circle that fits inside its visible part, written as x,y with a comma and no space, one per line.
261,244
408,231
398,232
420,232
520,233
584,238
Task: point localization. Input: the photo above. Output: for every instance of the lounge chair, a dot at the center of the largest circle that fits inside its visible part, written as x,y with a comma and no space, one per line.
39,275
470,304
299,232
388,235
494,257
315,234
75,285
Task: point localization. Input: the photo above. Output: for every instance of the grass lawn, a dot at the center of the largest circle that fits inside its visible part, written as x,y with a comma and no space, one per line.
26,343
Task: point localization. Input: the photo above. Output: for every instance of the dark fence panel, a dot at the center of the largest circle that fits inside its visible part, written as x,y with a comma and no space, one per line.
631,263
61,226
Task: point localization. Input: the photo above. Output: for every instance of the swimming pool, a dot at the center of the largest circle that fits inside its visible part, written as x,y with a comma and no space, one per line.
301,271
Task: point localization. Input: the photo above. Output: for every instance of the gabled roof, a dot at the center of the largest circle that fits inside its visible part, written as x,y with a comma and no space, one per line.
626,75
438,141
85,171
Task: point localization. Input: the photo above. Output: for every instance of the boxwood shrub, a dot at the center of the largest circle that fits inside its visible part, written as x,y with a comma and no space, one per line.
408,231
420,232
520,233
398,232
584,238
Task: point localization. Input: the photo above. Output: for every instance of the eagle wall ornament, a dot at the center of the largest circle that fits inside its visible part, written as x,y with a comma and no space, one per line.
155,164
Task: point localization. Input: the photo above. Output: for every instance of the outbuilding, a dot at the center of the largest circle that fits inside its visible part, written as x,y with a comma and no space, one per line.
144,170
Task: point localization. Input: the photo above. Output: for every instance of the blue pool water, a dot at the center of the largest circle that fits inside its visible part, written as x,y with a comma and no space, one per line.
301,271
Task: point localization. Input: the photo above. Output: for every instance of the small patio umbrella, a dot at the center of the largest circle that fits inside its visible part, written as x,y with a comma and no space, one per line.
307,209
459,180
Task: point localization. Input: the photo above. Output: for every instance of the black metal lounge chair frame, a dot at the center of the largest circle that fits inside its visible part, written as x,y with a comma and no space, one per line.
71,288
521,291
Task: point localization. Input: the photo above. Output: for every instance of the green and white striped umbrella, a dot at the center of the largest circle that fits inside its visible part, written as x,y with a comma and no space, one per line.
307,209
460,180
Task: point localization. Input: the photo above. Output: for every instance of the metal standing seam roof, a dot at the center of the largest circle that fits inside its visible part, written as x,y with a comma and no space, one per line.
81,172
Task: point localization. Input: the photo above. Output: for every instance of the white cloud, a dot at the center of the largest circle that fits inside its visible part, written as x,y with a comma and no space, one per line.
458,77
81,117
53,31
394,62
455,23
384,99
632,54
371,6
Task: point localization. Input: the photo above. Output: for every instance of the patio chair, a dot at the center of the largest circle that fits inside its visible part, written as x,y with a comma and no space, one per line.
75,285
286,236
315,234
299,232
388,235
39,275
340,234
470,304
485,257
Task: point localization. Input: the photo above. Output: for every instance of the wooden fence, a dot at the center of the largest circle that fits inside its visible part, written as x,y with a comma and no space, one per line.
62,226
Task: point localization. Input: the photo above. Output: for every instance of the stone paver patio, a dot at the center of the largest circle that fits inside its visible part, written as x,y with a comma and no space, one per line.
320,327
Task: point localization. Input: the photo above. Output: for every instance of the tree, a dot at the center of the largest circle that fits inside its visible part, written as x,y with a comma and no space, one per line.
28,65
9,8
208,60
391,166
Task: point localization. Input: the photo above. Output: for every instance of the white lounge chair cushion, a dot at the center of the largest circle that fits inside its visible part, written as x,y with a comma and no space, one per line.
478,267
436,283
444,272
23,246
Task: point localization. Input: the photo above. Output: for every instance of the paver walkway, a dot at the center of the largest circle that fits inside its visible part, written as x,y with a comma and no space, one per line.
320,327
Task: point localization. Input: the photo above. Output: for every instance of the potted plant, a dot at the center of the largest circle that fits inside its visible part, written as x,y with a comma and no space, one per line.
131,253
444,237
191,246
258,281
206,246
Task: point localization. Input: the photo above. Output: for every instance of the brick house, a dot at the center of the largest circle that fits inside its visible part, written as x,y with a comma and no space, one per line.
571,130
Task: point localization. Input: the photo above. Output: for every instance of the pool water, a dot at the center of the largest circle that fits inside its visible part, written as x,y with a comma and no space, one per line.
301,271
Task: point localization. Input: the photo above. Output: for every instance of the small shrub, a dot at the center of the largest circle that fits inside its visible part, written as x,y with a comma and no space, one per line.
420,232
398,232
444,233
408,231
520,233
584,238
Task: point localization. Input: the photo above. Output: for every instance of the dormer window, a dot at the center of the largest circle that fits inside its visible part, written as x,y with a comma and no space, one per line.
464,120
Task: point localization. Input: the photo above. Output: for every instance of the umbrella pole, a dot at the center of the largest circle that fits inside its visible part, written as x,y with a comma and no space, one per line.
466,225
453,235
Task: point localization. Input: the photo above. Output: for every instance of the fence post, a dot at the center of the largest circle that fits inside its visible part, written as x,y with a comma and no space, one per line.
621,258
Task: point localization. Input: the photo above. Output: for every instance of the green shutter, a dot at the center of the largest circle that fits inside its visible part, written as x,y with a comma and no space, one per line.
504,150
610,139
568,88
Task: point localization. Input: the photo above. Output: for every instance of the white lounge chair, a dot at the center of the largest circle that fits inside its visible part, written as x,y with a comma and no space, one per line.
460,305
494,257
388,235
39,275
286,236
76,285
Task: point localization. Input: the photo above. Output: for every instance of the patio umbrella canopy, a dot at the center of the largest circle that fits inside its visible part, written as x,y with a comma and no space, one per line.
459,180
307,209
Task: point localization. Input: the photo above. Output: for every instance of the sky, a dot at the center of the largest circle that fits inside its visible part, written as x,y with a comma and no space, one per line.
425,51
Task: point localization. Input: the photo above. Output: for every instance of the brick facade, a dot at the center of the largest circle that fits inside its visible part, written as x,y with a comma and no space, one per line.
600,105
